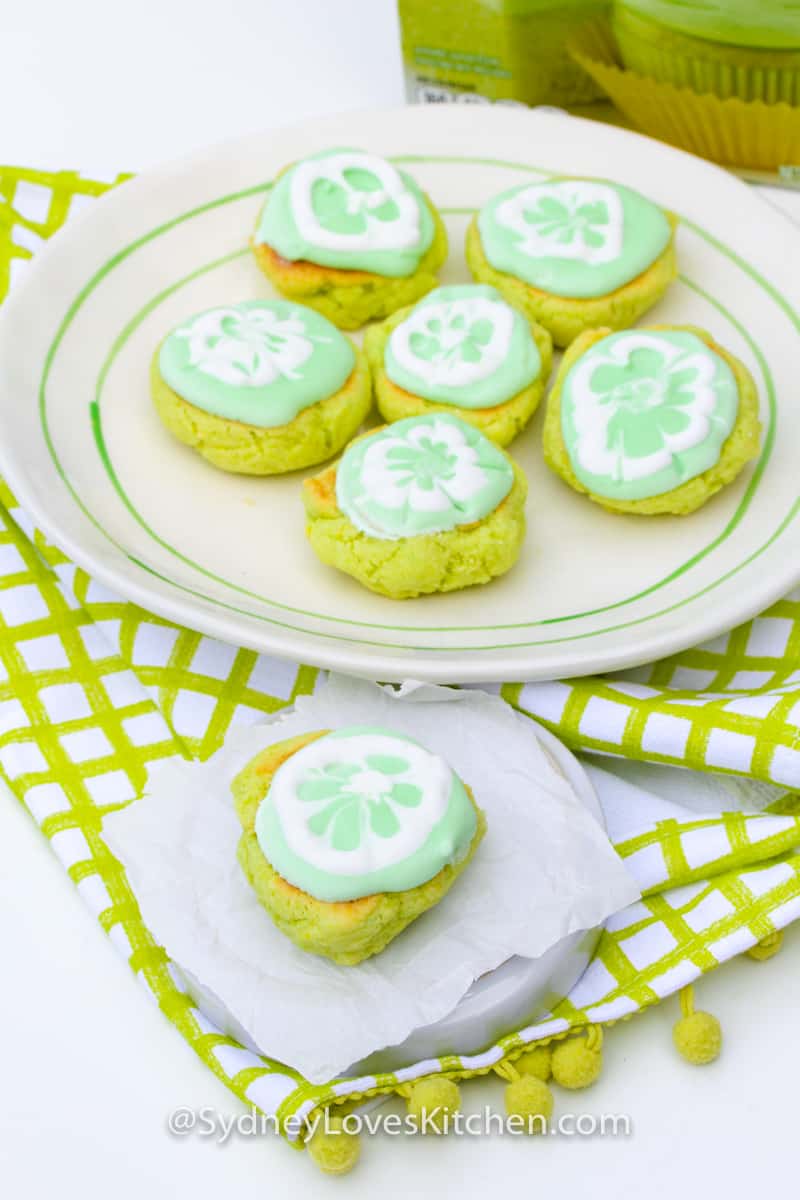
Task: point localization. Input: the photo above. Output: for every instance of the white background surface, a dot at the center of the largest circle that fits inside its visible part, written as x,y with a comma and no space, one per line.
89,1070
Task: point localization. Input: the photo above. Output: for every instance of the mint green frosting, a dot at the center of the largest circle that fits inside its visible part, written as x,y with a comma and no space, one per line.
261,362
573,237
463,346
350,209
644,411
421,475
764,24
363,810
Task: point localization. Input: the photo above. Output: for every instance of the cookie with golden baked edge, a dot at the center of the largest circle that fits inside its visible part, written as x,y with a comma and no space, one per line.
572,219
351,298
500,422
346,931
469,554
739,448
349,234
270,361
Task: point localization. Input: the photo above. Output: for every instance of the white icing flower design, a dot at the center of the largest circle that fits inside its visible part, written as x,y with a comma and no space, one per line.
351,805
430,468
574,219
454,343
353,201
345,800
248,347
642,403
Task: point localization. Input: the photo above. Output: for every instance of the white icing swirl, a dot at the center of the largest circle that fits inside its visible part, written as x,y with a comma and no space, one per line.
387,795
395,482
247,347
432,342
421,475
401,232
601,454
555,220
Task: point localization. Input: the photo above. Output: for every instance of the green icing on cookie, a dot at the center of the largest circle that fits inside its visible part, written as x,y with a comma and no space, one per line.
260,362
577,238
644,411
463,346
348,209
421,475
363,810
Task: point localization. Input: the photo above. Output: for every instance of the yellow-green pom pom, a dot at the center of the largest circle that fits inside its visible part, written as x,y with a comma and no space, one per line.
575,1064
332,1148
698,1037
531,1099
536,1062
432,1103
767,947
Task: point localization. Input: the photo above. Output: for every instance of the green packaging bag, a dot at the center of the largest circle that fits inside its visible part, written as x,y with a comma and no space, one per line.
511,51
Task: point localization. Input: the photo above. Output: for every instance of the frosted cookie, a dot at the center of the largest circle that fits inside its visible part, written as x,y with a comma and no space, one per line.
350,235
350,836
262,387
425,505
574,254
650,420
465,350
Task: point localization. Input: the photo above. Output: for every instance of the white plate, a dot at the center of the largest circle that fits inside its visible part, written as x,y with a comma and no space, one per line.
82,449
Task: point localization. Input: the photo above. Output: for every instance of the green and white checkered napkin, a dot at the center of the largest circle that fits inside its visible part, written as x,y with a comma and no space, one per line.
95,690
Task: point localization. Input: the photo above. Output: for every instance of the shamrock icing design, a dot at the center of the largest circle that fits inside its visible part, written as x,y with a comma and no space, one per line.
358,801
637,403
450,338
350,200
421,471
575,219
564,222
347,799
346,205
454,342
421,475
248,347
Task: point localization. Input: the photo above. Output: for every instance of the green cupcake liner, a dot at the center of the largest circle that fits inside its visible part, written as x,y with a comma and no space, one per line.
744,73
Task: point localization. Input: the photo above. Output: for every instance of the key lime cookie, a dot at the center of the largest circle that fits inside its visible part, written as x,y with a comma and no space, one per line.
461,349
348,234
425,505
262,387
574,254
349,836
651,420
